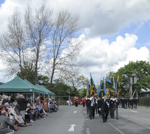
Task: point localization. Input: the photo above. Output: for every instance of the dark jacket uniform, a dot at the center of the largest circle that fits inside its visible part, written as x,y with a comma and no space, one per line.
99,105
112,107
105,109
88,104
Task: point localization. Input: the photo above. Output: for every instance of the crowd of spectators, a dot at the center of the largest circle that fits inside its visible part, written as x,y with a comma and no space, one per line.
20,111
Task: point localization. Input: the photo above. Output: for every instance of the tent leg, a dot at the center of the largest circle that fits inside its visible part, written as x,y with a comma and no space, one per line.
39,100
33,99
48,100
44,99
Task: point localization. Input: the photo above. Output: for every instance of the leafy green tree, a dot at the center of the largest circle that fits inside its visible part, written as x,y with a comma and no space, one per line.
82,92
27,73
141,69
43,80
60,88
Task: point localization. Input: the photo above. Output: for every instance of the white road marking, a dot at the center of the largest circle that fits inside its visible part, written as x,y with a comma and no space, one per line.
72,127
87,131
134,111
115,128
75,111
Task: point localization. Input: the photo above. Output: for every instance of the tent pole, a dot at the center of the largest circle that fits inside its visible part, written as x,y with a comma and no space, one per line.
48,99
44,99
33,99
39,99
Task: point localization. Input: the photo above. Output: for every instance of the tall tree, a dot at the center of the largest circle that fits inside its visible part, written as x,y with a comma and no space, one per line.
41,39
63,49
38,26
141,69
13,44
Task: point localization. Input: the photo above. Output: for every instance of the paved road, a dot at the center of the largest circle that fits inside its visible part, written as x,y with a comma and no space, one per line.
131,121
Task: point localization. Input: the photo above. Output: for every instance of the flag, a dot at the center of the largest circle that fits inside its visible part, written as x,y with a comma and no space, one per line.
99,89
93,86
109,86
88,89
92,91
103,88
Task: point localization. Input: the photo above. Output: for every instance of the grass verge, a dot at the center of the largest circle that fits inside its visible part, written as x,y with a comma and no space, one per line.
143,106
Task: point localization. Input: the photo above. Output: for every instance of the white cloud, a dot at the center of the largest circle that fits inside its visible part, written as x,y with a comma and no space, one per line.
102,57
97,17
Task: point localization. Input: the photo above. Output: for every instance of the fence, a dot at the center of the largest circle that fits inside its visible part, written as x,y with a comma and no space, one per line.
144,101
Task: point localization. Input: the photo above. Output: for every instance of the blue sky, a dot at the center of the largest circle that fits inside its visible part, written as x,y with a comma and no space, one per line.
114,32
143,33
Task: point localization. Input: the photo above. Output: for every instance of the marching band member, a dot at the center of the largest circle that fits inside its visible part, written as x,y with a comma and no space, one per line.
83,101
76,99
112,106
105,108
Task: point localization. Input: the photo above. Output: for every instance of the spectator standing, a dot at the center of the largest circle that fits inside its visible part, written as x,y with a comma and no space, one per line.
23,105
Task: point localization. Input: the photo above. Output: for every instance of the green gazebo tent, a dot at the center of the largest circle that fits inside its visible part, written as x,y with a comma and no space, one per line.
29,83
18,85
48,90
44,89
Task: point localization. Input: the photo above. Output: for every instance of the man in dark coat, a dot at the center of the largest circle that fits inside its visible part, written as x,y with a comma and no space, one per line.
23,105
88,104
105,108
92,107
112,106
99,101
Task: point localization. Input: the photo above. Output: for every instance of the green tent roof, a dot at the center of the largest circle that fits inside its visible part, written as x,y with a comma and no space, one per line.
18,85
47,90
29,83
44,89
